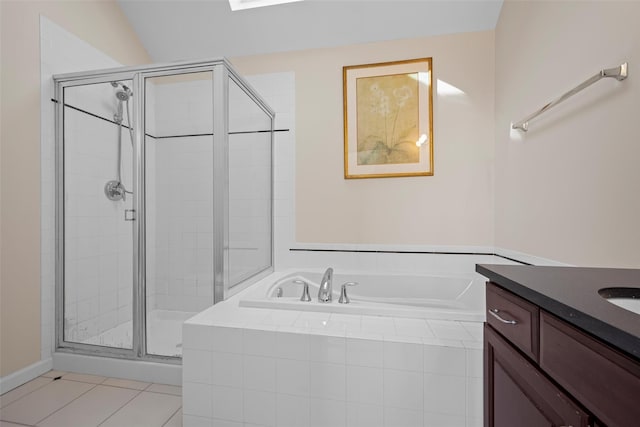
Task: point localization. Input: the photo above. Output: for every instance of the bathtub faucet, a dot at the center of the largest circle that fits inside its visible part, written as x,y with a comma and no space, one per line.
326,286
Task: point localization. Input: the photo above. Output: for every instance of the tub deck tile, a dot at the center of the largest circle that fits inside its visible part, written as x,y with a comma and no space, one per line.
449,330
413,327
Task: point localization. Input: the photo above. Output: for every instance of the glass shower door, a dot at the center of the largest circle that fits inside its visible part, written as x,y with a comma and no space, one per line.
97,191
141,156
178,128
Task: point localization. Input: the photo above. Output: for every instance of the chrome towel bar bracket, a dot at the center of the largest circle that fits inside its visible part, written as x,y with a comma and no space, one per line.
619,73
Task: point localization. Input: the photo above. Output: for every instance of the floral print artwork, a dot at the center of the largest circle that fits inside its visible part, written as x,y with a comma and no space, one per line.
387,119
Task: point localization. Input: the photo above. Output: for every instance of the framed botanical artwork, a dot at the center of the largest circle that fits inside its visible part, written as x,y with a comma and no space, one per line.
388,119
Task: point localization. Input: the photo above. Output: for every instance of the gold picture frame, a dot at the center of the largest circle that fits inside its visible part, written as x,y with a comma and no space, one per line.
388,119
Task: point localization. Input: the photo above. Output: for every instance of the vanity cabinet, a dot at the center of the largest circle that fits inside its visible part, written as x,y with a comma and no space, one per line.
518,394
542,371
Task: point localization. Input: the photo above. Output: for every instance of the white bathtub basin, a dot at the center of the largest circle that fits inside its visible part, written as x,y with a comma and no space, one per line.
419,296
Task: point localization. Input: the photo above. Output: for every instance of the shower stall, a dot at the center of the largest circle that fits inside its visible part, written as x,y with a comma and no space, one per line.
163,202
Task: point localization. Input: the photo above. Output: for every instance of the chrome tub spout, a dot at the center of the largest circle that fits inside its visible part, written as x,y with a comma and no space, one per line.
326,286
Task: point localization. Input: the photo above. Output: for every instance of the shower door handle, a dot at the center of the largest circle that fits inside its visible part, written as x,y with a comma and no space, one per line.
129,214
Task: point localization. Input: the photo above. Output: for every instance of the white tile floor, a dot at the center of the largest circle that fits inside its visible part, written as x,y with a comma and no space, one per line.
66,399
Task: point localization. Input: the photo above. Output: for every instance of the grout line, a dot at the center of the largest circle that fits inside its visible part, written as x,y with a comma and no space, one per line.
26,394
172,415
83,382
160,392
19,424
165,394
121,387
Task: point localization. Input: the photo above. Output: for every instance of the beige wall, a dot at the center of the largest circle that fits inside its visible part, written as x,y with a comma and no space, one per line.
569,189
454,207
100,23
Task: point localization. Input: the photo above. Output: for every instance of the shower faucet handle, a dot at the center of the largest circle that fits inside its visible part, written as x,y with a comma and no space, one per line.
344,298
305,290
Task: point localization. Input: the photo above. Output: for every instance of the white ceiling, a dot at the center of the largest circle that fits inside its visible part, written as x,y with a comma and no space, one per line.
174,30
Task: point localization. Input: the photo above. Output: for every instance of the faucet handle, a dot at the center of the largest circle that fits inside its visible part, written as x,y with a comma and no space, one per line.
305,290
344,298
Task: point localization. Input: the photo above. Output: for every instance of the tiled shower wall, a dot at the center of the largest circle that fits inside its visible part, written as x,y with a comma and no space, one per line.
249,202
179,179
278,90
250,186
98,240
182,274
180,193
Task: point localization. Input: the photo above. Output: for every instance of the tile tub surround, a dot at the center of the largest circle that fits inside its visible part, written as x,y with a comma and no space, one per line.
268,367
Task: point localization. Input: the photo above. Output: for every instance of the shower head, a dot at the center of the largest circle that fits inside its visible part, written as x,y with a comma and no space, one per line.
123,93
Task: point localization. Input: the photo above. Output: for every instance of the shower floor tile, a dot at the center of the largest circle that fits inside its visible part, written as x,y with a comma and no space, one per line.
79,400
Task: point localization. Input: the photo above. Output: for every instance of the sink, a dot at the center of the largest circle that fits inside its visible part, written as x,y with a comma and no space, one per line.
627,298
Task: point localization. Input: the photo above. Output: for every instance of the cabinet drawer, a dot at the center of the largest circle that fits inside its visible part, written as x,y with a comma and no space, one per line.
603,380
515,318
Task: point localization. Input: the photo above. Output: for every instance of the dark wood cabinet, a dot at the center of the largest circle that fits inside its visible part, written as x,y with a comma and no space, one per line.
541,371
602,379
518,394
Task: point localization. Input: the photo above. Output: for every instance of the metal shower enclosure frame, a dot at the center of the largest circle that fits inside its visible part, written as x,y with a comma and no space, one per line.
222,72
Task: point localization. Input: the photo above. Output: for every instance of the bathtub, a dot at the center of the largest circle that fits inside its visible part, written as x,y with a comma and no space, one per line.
414,296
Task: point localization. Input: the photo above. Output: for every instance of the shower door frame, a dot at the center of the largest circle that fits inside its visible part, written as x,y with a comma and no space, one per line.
222,72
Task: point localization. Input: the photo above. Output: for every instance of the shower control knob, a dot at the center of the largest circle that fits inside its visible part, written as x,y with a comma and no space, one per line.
114,190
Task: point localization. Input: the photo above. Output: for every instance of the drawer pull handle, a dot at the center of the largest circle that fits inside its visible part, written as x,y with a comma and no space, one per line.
494,312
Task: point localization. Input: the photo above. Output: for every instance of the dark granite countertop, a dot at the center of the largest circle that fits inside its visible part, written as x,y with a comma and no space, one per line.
571,293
